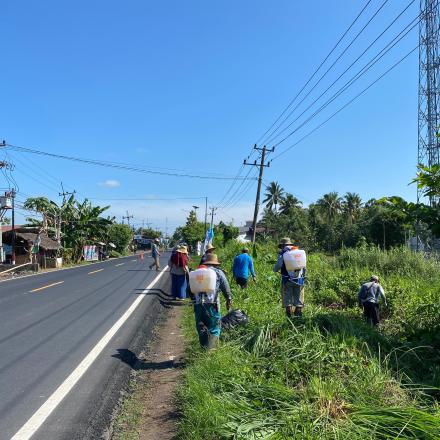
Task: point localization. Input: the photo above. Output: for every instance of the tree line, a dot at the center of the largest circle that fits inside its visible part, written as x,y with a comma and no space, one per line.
75,224
334,221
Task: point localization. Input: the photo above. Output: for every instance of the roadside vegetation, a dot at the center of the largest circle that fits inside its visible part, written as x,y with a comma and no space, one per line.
76,223
327,375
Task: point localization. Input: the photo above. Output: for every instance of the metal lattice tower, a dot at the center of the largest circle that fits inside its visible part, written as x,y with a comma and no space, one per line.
429,84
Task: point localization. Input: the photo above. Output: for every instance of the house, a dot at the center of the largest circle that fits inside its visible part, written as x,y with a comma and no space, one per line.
245,232
25,238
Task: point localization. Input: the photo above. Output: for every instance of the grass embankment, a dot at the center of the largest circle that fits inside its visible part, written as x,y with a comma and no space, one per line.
327,375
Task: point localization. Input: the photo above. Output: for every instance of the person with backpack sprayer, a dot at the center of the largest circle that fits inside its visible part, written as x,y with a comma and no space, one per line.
292,277
206,282
368,298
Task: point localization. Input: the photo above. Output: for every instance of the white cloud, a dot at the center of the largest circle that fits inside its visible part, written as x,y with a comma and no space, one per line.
110,183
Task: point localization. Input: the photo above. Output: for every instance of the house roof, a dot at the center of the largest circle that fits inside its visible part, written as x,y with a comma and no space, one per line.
6,228
47,243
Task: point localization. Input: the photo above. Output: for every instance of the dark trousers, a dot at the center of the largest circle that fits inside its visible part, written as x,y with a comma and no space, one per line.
371,313
242,282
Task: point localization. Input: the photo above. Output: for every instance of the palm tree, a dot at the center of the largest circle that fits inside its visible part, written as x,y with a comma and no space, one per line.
288,203
274,195
330,205
352,205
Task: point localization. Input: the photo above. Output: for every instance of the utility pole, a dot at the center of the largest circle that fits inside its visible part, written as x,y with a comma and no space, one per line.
213,209
206,214
261,165
13,227
128,217
63,193
4,203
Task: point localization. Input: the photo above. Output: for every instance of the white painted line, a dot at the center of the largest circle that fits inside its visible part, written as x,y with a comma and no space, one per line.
34,423
95,271
120,264
49,285
133,260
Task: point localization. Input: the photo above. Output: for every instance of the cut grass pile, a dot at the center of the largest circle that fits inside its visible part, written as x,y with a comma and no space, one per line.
327,375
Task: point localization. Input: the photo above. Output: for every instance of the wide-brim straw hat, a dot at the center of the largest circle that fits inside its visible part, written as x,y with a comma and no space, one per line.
285,241
156,240
212,259
210,247
182,249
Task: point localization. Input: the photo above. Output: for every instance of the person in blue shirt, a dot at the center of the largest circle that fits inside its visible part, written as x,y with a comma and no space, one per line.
243,264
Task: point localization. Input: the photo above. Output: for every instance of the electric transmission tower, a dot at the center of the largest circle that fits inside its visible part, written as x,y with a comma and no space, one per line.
429,85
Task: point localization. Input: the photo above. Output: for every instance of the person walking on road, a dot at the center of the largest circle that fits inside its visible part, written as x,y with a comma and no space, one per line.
207,305
155,254
242,265
368,298
209,250
292,284
178,264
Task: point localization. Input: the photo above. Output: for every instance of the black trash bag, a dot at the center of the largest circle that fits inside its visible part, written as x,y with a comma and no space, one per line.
234,318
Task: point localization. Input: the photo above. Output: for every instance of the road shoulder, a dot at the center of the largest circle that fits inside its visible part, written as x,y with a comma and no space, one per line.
149,410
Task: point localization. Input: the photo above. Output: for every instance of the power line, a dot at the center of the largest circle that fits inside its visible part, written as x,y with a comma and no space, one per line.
330,68
316,71
348,103
146,199
119,166
374,60
237,189
350,82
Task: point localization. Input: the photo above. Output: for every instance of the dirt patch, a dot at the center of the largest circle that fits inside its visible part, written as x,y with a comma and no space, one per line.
150,410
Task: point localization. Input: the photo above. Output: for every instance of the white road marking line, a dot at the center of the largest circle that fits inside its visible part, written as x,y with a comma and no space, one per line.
120,264
39,417
95,271
133,260
49,285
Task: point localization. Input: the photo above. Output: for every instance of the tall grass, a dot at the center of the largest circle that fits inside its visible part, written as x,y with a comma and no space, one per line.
328,375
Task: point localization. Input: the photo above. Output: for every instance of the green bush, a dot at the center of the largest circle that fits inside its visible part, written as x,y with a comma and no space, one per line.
327,375
114,254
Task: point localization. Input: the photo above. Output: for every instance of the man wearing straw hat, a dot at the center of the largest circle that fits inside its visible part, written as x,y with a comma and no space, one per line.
292,284
207,305
209,250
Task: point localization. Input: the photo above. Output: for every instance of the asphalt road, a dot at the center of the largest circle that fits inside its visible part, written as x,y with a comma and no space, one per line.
49,323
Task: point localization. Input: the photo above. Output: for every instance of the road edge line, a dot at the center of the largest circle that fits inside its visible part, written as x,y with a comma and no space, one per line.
45,410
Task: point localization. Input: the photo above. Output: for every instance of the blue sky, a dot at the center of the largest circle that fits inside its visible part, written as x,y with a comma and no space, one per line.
191,86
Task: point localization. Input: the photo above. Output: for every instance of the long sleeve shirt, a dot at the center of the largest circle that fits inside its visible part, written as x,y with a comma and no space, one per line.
296,276
243,264
221,285
371,292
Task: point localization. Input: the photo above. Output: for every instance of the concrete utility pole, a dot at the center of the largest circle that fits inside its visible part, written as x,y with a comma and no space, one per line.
13,227
206,215
213,209
4,206
63,194
128,217
261,165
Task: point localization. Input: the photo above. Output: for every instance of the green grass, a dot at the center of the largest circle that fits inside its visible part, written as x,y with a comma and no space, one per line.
328,375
